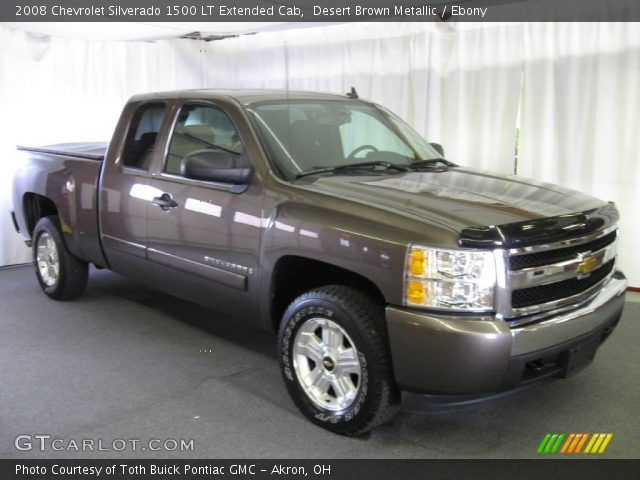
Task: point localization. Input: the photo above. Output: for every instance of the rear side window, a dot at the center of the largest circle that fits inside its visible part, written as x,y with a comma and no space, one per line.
202,127
142,136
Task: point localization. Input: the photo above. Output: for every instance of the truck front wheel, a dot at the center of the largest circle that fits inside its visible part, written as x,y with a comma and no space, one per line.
334,357
61,275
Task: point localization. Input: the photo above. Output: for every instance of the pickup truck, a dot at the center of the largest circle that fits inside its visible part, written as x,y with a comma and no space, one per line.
384,268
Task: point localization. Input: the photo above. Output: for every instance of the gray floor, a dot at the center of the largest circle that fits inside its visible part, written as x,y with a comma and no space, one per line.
125,362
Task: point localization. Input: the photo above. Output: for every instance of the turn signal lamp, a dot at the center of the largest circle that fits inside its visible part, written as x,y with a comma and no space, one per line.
444,279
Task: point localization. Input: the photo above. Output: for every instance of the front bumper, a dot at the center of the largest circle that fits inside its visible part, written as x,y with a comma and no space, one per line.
448,354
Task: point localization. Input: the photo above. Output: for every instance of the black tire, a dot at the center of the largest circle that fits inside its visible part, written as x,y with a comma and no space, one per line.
73,273
361,317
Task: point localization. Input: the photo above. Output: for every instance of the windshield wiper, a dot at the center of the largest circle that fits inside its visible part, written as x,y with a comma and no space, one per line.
432,163
354,166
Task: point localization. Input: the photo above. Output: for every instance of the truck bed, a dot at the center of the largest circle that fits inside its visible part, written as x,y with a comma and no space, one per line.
86,150
66,175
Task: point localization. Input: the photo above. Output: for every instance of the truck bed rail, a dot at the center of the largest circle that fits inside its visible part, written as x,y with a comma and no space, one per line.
86,150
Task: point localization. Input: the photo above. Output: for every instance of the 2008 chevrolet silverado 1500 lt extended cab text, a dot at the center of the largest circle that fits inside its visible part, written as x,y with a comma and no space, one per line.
382,266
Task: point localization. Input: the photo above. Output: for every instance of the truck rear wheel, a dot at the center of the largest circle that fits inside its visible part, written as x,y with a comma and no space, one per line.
61,275
334,357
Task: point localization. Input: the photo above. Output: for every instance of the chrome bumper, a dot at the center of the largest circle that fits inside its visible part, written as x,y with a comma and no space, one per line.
447,354
567,326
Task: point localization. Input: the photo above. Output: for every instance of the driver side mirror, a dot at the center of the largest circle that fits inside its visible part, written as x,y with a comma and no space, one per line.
438,148
216,166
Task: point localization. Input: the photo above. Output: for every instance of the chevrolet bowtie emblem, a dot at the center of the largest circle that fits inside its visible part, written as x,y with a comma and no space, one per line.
587,265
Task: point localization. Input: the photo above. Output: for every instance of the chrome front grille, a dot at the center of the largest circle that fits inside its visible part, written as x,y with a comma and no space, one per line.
553,277
526,297
536,259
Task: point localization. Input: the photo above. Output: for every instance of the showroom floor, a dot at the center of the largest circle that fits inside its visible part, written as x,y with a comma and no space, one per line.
126,362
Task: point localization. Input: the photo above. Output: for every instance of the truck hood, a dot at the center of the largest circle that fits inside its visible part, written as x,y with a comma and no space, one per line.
461,198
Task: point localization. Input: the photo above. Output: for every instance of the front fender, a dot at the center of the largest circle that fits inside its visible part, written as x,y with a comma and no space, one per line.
367,247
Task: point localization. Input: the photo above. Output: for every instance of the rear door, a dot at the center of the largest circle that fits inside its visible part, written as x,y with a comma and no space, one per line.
126,189
204,237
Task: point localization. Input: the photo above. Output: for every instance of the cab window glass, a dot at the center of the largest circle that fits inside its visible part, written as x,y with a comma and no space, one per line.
201,127
365,129
142,136
305,135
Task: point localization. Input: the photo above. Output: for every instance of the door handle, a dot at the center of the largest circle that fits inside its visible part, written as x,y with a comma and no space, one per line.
165,202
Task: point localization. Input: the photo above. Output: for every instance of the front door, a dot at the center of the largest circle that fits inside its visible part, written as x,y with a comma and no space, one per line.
204,237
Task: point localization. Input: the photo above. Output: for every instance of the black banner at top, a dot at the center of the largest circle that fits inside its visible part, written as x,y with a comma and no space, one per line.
316,10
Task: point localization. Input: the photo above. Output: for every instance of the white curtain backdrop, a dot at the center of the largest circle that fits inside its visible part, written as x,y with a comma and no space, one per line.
56,90
581,117
433,76
458,84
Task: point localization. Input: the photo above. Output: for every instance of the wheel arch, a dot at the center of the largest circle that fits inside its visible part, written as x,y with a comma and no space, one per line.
35,207
292,276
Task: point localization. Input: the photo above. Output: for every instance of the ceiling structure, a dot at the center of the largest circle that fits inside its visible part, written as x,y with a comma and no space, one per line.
131,31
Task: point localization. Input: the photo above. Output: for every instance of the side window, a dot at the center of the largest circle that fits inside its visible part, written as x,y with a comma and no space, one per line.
142,135
201,127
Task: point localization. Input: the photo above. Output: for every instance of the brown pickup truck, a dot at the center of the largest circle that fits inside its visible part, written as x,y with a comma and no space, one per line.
382,266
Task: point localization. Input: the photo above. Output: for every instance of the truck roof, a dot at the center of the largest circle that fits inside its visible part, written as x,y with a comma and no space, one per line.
244,96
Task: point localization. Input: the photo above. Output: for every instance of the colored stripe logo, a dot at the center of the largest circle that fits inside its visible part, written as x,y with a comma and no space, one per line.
573,443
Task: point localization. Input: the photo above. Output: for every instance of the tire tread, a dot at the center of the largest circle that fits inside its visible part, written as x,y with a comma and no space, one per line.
74,273
368,312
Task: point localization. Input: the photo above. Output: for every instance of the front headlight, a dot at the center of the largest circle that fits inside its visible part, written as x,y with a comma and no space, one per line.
460,280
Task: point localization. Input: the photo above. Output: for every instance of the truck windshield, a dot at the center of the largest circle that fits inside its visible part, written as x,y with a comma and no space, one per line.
301,136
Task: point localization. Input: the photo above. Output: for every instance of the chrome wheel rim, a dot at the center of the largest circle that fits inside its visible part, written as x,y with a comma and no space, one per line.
327,364
47,259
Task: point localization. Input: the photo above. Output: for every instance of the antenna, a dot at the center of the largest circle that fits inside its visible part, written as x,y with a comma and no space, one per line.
353,93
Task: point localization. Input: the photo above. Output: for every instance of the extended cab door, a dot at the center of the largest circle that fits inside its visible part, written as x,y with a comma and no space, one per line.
204,237
125,189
